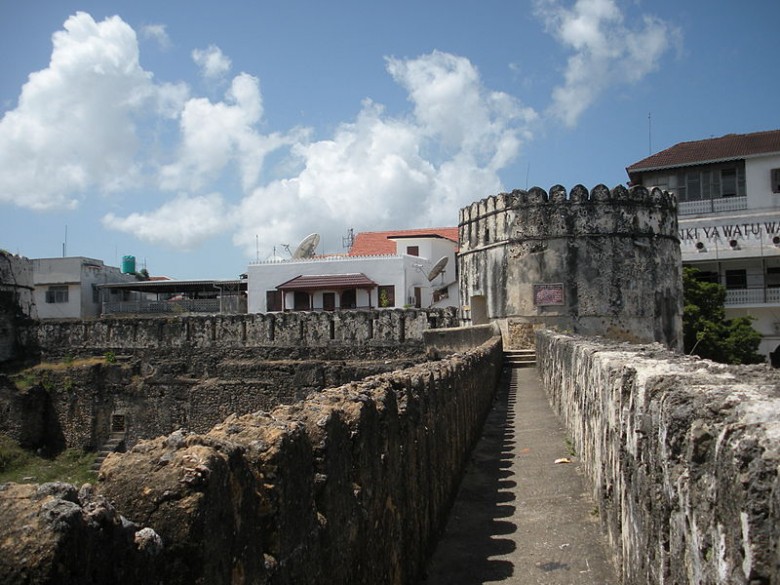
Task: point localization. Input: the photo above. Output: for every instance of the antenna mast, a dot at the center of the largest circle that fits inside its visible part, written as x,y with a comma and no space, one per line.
349,239
649,133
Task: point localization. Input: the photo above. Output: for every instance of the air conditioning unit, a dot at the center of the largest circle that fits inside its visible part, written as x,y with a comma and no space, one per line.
775,180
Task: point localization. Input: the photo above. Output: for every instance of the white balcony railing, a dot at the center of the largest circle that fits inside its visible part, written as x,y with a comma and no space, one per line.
752,296
712,205
182,306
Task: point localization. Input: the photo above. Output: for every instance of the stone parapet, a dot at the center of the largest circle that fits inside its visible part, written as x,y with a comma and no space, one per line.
351,485
682,456
295,329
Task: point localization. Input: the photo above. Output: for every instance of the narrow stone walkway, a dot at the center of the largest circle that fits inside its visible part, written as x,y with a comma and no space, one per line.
520,517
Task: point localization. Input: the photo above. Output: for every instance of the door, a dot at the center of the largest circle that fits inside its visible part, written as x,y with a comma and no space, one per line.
302,301
348,299
329,301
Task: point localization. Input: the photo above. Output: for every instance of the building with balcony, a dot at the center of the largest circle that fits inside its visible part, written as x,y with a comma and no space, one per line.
728,190
381,270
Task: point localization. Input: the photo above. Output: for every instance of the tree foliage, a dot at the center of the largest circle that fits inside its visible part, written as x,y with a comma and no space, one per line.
706,331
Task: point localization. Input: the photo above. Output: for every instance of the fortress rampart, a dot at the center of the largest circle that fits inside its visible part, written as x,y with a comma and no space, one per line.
346,329
151,376
353,483
681,455
598,263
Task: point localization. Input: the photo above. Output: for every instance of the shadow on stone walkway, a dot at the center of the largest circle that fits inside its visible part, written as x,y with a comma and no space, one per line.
519,516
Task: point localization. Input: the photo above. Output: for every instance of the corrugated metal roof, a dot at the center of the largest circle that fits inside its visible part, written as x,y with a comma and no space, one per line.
729,147
327,281
166,286
379,243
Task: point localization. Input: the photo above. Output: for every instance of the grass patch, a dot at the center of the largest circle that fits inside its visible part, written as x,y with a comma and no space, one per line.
22,466
39,374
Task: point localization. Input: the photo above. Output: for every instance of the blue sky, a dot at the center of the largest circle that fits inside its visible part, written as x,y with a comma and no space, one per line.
201,136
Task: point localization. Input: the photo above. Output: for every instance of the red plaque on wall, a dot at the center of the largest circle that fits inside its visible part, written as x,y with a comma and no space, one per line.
548,294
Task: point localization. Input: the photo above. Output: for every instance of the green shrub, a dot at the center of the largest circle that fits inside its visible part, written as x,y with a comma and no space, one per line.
11,455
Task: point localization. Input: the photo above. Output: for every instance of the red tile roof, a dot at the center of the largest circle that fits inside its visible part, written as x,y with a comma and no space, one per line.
729,147
379,243
328,281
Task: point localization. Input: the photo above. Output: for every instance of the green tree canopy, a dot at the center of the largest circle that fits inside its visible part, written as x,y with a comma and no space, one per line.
706,331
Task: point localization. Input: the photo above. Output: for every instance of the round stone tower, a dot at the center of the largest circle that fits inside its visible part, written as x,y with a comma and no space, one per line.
596,263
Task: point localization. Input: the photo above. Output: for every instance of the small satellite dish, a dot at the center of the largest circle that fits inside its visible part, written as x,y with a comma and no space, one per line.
438,268
307,247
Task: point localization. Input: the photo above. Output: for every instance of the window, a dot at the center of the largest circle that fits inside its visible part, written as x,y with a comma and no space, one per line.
57,294
773,277
273,300
775,180
693,186
736,279
711,182
413,250
728,179
387,296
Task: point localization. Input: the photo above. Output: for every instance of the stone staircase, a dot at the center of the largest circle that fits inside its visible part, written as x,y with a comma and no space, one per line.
519,358
115,439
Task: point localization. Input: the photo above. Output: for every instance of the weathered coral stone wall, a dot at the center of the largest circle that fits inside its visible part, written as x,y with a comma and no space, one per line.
285,330
17,308
71,404
609,262
349,486
682,455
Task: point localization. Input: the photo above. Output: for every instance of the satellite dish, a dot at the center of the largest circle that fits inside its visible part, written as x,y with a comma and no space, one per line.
307,247
438,268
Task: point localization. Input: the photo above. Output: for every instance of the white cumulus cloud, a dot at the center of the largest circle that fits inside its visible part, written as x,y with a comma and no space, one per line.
212,61
213,135
183,223
94,121
381,172
74,128
606,51
158,33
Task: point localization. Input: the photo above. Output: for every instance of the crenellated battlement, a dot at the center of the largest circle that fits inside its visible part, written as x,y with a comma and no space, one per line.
537,214
579,194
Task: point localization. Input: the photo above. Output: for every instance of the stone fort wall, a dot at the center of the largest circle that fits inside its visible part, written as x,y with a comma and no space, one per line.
353,483
17,307
150,376
681,455
597,263
347,329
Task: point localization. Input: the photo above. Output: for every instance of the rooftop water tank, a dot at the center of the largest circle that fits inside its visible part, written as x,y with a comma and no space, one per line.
128,264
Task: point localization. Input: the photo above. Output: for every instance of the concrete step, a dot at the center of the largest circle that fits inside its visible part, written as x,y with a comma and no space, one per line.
111,445
519,358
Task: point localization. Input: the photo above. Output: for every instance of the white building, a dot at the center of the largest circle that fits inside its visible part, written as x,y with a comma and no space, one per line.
382,270
68,287
729,217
